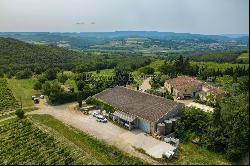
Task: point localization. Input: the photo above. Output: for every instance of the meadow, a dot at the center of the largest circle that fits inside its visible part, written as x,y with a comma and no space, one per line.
23,89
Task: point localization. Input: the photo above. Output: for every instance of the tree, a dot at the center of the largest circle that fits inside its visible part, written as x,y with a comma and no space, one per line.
1,74
122,76
27,73
79,100
19,113
62,78
51,73
194,122
80,68
38,86
42,78
53,90
46,87
147,70
179,64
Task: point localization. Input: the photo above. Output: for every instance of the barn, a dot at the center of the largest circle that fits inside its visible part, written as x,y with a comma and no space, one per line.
137,109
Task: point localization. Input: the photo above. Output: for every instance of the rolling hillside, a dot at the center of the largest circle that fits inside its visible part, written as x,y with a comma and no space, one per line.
18,55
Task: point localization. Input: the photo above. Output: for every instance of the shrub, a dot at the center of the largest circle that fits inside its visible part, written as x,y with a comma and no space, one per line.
27,73
19,113
37,86
105,106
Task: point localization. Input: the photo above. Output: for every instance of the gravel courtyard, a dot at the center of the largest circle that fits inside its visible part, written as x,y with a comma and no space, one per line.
109,132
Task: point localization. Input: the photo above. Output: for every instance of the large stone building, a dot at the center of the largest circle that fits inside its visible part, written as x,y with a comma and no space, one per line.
184,87
136,109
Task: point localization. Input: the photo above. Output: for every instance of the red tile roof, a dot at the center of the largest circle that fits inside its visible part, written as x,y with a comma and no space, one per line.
184,82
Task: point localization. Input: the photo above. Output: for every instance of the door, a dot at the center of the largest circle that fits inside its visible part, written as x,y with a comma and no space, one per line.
144,125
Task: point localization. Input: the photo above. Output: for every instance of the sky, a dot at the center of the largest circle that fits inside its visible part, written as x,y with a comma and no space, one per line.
190,16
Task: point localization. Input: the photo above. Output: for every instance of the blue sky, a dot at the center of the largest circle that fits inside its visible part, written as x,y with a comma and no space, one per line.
194,16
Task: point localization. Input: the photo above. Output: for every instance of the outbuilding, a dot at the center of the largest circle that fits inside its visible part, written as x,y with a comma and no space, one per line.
136,109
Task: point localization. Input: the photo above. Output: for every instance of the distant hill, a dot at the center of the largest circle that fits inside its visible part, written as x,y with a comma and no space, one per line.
17,54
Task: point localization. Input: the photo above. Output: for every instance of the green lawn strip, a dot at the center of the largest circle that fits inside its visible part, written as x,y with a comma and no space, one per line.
23,88
105,153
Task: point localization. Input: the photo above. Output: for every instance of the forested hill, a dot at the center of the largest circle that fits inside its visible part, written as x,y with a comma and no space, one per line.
18,54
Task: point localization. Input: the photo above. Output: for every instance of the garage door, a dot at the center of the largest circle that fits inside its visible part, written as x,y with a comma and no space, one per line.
144,125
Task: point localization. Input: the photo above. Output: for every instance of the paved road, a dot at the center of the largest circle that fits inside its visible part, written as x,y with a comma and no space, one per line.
109,132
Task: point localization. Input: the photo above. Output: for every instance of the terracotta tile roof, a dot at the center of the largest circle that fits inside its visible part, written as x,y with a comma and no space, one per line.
184,82
143,105
214,90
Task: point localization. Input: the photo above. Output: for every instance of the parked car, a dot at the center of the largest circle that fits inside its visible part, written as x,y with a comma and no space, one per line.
32,97
101,118
95,114
36,100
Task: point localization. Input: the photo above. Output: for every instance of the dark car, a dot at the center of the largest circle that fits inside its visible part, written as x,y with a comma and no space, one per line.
36,100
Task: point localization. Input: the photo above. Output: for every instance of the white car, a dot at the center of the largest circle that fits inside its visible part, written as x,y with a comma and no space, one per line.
95,114
100,118
104,120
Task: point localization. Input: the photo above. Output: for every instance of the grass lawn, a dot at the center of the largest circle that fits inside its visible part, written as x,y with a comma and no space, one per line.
97,149
23,88
194,154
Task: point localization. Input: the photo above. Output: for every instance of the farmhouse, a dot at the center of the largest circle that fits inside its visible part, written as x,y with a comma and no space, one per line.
211,91
136,109
184,86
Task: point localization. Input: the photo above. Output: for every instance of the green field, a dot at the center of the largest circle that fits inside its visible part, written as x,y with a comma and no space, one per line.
23,88
244,57
97,150
7,100
22,142
103,73
221,66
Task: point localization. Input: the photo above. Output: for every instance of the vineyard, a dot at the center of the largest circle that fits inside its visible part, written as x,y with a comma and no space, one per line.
7,100
221,66
23,143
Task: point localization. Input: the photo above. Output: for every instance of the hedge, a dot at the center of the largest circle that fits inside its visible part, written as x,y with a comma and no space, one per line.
67,97
105,106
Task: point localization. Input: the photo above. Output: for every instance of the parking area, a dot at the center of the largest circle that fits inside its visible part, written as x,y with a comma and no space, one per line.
109,132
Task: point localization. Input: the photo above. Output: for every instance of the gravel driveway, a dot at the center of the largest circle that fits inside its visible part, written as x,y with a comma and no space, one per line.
109,132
